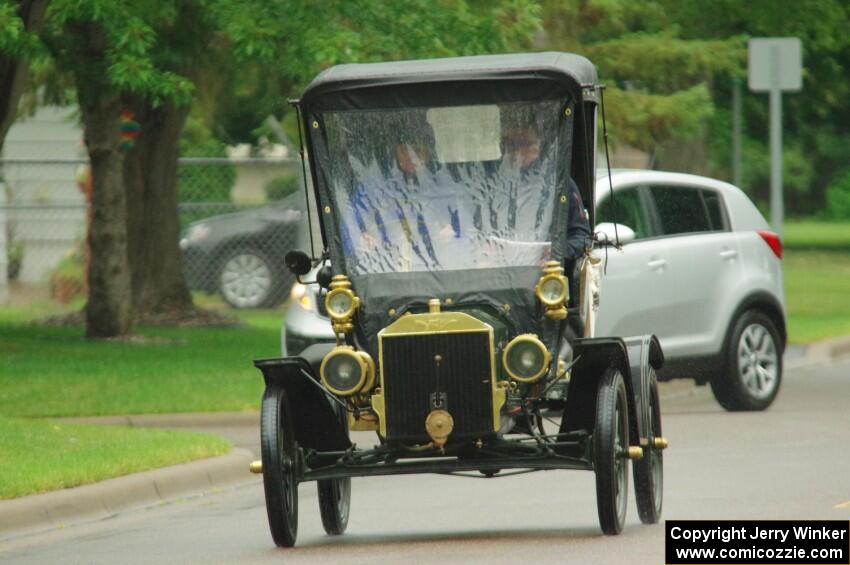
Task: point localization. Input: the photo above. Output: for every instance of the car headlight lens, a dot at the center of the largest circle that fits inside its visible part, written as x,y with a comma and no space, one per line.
525,358
552,290
300,296
346,372
197,233
340,303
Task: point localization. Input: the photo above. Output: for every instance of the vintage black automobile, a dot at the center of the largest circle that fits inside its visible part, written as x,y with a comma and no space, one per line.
443,189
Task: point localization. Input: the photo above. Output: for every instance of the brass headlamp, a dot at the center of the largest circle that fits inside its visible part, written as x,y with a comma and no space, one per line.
340,303
525,358
346,372
552,291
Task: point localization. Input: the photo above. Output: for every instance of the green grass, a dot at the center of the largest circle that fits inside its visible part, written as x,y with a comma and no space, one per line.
54,371
40,455
813,234
817,294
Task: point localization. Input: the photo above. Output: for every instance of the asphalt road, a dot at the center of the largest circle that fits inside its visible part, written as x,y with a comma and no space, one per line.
787,463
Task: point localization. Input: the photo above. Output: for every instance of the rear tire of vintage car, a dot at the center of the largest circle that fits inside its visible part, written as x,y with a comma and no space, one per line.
334,504
279,462
248,278
335,499
610,442
649,471
752,373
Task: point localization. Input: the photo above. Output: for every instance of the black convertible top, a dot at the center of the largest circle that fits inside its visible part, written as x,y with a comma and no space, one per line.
573,70
455,80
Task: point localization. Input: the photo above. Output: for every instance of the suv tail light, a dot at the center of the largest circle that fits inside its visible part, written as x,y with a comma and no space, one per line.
772,240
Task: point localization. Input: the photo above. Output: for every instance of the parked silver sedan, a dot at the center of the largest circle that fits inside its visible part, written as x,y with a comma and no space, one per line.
698,266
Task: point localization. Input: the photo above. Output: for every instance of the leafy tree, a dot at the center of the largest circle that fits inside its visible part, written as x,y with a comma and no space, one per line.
815,137
670,67
278,47
146,57
275,48
105,46
838,199
20,22
658,83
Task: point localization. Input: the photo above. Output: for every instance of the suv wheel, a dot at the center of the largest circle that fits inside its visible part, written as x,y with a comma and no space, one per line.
752,370
248,279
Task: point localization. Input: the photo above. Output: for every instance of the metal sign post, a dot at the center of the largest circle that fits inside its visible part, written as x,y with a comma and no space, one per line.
775,65
737,179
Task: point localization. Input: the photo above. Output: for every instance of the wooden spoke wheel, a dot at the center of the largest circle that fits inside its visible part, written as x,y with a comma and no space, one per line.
335,497
279,466
649,471
610,442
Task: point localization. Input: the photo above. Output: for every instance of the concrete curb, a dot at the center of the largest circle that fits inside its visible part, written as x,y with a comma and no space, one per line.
98,501
827,350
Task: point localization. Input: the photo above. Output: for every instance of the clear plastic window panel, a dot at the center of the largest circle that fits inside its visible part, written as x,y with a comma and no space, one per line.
447,188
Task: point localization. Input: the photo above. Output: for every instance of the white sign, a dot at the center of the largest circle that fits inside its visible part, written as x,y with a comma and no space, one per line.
775,63
466,133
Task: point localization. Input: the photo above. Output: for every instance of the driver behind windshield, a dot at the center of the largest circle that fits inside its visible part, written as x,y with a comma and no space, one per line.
396,207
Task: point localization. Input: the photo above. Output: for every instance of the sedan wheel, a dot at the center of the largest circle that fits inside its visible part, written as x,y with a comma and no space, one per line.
754,365
247,280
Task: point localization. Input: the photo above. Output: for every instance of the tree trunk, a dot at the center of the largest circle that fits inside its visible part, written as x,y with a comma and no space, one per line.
14,72
153,223
108,311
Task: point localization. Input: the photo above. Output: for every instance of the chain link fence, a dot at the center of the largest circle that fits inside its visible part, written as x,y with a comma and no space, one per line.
238,217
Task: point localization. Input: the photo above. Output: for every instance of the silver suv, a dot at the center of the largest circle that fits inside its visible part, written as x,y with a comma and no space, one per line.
698,267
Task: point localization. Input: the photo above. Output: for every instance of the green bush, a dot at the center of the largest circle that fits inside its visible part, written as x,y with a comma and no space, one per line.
203,190
281,187
838,199
205,183
68,279
15,258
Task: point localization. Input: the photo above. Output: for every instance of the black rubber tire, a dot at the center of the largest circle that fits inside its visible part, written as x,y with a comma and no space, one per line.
649,471
280,281
335,498
334,504
610,440
728,384
277,442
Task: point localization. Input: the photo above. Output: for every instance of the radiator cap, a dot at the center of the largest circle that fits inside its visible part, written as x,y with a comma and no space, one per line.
439,425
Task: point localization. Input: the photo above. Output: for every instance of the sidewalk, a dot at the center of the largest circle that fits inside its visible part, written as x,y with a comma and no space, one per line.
107,498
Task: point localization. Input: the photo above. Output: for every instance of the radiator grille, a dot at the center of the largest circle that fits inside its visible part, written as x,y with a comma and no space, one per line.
412,375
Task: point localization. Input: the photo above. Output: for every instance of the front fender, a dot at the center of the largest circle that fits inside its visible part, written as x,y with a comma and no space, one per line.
314,414
634,357
645,356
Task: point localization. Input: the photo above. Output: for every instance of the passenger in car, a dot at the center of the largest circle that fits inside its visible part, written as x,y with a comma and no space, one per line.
522,149
390,210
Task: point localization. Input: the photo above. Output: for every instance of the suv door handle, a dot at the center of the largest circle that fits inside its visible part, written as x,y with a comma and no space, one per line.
657,264
729,253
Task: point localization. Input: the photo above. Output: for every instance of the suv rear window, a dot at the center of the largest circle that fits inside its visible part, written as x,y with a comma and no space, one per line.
681,210
715,209
629,211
